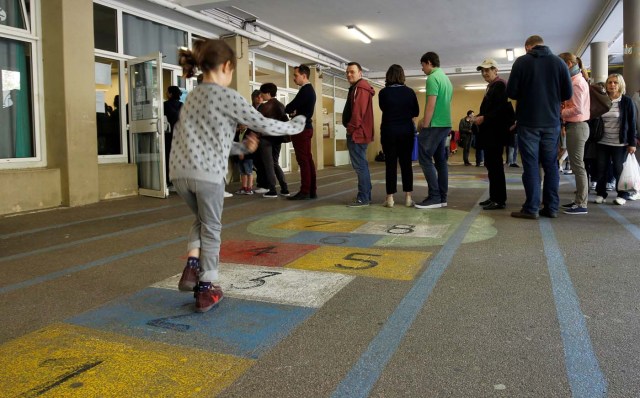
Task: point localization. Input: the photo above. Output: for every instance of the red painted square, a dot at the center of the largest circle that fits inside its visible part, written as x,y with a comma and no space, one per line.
270,254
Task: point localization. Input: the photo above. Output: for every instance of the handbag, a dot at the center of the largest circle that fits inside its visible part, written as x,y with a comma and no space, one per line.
599,101
630,176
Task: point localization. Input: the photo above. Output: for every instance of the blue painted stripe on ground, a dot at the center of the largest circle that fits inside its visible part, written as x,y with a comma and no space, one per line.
633,229
583,370
145,249
129,213
91,264
364,374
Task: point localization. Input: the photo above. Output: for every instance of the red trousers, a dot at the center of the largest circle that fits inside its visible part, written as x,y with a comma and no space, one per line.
302,147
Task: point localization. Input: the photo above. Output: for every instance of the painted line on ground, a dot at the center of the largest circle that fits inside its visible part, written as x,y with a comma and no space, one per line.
145,249
364,374
583,370
128,213
142,227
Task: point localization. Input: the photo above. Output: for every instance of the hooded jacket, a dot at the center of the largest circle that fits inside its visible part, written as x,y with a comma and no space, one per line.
357,116
540,82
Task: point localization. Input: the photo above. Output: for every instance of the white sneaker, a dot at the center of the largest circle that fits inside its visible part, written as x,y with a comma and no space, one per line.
599,200
261,190
634,196
619,201
227,194
388,203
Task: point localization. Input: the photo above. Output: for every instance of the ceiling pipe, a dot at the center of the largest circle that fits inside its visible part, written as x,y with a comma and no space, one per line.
607,9
272,40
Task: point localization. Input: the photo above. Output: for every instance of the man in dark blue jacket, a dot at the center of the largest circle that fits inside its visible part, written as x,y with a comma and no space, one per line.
539,81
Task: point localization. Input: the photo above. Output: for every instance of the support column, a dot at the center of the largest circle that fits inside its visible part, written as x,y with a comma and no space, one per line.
631,36
69,98
317,147
240,82
599,61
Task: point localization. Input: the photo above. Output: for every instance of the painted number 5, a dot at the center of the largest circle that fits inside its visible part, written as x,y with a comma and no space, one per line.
367,263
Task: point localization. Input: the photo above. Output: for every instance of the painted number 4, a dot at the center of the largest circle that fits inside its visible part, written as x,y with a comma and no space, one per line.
366,262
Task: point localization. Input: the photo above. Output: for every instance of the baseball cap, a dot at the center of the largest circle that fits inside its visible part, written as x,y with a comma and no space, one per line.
487,63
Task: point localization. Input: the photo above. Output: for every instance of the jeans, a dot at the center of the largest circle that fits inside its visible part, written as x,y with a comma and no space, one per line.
539,147
606,156
577,135
205,200
433,160
512,151
302,147
358,156
397,148
465,143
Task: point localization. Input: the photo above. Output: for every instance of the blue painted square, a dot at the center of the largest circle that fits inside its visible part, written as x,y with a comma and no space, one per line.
334,239
237,327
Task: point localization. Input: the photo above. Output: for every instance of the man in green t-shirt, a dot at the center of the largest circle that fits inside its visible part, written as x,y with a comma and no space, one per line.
434,128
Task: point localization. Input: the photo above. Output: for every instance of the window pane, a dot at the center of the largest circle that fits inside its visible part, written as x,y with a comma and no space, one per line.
16,113
105,28
143,37
270,71
108,115
11,14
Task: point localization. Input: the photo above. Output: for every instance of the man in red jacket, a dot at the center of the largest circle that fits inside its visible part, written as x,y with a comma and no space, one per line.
357,117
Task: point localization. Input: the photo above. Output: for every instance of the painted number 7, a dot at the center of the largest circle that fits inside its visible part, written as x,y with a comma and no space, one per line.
368,263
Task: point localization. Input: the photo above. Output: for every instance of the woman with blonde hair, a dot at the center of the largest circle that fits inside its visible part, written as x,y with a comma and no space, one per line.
575,113
619,138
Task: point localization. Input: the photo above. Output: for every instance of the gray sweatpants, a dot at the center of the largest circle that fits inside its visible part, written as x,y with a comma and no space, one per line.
577,135
205,199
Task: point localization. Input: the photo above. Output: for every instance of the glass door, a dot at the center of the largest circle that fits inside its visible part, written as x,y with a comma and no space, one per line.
146,124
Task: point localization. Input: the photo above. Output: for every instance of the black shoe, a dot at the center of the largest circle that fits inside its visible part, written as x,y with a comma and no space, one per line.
544,212
270,194
299,196
485,202
568,205
467,164
523,214
285,192
313,196
514,165
494,206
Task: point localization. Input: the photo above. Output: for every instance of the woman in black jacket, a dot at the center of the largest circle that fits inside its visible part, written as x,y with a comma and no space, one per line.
399,106
619,138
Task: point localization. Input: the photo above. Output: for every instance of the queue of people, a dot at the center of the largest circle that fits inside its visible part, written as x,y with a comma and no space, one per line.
551,94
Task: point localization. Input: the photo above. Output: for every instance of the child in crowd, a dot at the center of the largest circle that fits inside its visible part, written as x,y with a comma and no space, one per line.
245,164
202,143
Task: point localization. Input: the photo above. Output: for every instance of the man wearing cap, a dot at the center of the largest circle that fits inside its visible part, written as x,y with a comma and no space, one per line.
540,82
494,120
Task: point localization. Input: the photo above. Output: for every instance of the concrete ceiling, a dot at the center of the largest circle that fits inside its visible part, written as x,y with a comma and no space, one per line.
462,32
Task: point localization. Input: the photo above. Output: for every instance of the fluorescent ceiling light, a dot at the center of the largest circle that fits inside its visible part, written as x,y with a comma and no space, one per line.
510,54
359,34
475,87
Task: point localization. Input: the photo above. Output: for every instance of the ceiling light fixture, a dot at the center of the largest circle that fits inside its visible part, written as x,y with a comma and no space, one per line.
359,34
475,87
510,54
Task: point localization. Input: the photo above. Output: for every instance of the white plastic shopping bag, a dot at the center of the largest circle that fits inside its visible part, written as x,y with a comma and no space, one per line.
630,177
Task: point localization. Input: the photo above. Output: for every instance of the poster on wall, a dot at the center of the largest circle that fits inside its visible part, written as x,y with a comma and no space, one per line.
103,74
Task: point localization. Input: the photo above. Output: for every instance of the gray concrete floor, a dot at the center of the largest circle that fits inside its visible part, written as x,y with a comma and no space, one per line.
546,308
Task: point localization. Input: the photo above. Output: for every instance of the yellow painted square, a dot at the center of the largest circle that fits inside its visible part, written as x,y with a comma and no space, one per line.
73,361
376,263
320,224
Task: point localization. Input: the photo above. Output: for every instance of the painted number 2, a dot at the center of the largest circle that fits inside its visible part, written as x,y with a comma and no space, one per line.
366,262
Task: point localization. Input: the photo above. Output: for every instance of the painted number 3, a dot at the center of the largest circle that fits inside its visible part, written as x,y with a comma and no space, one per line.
367,263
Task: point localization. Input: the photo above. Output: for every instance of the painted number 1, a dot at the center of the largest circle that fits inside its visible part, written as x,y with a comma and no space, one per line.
368,263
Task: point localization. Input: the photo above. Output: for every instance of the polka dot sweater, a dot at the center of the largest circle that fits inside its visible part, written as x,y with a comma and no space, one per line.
203,137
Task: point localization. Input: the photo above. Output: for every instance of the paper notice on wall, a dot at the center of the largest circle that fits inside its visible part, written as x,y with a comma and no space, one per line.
100,101
103,73
10,80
